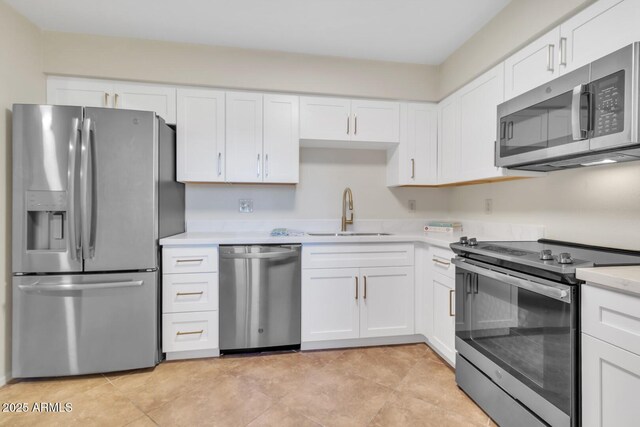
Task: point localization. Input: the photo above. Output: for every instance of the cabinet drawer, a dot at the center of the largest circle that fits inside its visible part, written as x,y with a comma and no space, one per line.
189,292
348,255
193,259
440,260
189,331
612,316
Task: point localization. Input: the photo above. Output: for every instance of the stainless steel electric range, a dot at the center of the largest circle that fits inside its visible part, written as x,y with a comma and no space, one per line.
517,326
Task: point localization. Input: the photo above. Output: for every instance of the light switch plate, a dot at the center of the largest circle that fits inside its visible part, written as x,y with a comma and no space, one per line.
245,205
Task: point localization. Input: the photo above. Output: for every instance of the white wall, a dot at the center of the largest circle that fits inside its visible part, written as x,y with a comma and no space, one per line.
324,173
21,80
598,205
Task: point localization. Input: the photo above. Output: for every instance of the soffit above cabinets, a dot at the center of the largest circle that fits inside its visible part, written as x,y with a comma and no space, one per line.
412,31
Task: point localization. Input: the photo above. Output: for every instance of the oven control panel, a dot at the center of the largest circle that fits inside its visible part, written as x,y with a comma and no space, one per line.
608,114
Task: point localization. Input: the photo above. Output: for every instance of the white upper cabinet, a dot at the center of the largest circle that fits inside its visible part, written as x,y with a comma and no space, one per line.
448,140
110,94
415,160
244,137
281,141
146,97
201,135
532,66
478,124
340,119
325,118
602,28
376,121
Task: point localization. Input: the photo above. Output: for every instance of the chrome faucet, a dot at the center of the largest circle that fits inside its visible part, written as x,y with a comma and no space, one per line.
347,193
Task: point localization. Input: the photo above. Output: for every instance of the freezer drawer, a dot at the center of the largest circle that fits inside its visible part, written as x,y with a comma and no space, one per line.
81,324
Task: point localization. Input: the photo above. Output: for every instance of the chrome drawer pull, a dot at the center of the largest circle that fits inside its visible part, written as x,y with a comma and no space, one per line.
190,332
190,260
439,261
189,293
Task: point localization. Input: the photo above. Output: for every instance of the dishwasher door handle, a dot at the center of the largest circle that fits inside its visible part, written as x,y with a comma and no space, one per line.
263,255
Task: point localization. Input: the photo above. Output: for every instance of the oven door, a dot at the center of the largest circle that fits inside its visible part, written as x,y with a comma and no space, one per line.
520,331
548,122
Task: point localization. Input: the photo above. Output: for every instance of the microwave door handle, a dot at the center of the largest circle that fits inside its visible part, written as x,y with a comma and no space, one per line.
578,131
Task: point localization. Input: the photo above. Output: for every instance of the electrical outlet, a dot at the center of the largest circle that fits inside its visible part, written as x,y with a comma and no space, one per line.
412,205
245,205
488,206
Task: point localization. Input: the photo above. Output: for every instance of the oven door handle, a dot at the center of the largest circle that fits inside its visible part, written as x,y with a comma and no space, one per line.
547,290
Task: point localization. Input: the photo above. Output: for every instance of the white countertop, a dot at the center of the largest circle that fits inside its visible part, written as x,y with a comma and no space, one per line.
625,279
242,238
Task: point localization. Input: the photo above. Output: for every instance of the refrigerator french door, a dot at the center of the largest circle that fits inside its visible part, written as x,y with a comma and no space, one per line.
86,223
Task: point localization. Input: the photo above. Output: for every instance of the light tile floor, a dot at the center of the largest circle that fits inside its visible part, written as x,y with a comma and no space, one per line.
407,385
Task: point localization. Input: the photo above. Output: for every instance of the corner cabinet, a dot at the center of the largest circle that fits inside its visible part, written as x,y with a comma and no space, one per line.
610,357
237,137
362,301
113,94
340,119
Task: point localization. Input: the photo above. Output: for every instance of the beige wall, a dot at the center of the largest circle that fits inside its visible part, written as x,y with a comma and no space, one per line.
191,64
323,176
599,205
518,23
21,80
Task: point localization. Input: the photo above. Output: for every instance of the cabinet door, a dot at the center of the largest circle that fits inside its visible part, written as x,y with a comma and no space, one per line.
80,92
325,118
281,146
244,137
532,66
448,140
387,301
610,384
602,28
330,309
421,163
478,117
375,121
138,96
443,338
201,135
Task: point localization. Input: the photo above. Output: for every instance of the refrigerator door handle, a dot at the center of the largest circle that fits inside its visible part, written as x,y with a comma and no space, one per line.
86,191
72,220
62,287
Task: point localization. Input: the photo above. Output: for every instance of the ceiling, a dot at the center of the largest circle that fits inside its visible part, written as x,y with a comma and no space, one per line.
414,31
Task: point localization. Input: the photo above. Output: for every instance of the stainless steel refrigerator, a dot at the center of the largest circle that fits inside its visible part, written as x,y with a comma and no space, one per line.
94,189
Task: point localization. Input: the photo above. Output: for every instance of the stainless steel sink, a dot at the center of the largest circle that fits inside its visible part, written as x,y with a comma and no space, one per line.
349,234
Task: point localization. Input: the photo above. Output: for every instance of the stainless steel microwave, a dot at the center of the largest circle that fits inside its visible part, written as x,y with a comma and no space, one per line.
586,117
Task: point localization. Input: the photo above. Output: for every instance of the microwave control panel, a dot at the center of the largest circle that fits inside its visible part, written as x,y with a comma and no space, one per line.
608,114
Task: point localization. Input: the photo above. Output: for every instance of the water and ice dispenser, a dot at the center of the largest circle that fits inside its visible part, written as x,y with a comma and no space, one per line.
46,220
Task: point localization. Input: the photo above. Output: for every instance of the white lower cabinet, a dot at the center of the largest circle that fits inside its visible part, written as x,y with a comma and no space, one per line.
340,303
190,302
610,384
443,338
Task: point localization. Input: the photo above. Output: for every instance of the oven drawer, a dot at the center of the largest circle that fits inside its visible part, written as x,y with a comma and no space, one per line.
612,316
440,261
190,259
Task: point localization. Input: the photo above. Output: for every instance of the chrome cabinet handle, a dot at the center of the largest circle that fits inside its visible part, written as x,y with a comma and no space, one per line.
550,51
106,99
356,288
266,165
190,260
179,294
451,313
355,124
219,164
563,51
365,287
258,163
413,168
441,262
348,119
190,332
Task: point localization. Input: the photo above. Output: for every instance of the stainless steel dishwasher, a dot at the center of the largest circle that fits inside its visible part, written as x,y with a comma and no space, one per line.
259,297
